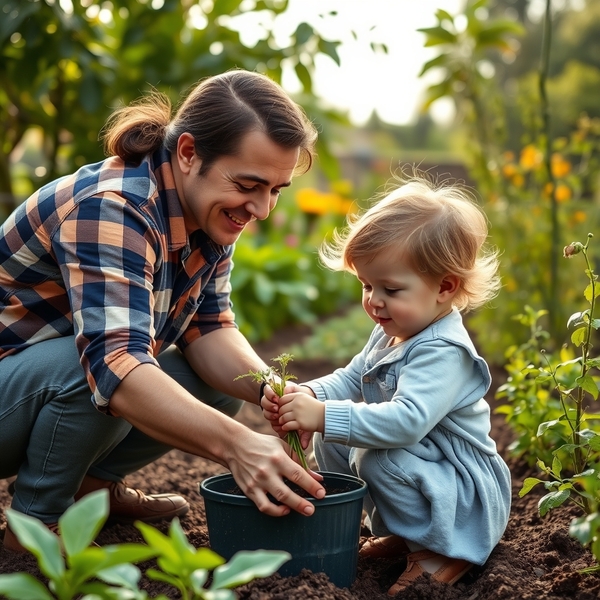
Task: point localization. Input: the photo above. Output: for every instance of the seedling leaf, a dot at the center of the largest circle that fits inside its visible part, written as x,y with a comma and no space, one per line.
552,500
22,586
40,541
82,521
246,566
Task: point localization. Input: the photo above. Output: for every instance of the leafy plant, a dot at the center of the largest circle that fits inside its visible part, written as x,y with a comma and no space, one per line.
277,379
187,568
527,401
69,562
574,473
75,568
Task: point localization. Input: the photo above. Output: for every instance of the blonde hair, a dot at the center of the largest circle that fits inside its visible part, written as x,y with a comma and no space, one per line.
439,229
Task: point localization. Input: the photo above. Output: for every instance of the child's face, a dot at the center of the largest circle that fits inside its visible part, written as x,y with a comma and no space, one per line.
398,298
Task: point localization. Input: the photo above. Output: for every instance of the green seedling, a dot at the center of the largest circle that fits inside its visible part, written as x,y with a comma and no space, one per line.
70,562
75,569
187,568
277,378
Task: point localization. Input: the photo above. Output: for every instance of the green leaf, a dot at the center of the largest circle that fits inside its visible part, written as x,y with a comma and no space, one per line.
264,289
592,291
198,578
91,560
437,35
22,586
578,337
330,49
245,566
82,522
528,485
40,541
552,500
543,427
125,575
159,542
303,33
304,76
556,466
588,384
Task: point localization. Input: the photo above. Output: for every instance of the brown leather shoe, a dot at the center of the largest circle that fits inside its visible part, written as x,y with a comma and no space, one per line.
390,546
127,504
12,543
450,572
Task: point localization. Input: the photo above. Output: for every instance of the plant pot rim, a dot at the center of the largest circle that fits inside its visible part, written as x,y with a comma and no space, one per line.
206,490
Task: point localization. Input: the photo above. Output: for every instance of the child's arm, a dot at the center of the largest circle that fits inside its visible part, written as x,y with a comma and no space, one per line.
299,410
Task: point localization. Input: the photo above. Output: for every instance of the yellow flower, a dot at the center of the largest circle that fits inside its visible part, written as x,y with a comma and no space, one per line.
315,202
509,170
563,193
579,216
560,166
531,157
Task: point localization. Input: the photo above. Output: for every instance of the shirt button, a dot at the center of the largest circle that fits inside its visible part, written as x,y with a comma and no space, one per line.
366,379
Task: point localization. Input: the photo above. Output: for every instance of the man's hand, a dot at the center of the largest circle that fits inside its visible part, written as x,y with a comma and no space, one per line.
298,410
261,468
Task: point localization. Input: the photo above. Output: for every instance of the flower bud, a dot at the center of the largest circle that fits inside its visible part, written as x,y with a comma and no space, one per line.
572,249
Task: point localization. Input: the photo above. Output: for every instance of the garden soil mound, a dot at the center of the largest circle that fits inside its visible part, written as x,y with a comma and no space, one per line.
535,560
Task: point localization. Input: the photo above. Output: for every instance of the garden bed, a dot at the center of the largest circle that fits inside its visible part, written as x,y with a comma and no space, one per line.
535,560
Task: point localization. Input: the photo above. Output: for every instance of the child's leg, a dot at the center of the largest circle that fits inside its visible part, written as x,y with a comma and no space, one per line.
331,457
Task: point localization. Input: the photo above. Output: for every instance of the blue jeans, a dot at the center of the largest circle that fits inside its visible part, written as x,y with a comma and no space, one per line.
51,435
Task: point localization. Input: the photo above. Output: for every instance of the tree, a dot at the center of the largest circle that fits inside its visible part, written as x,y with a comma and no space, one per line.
65,65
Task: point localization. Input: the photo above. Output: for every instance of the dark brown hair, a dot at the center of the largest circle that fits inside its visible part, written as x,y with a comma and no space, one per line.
218,112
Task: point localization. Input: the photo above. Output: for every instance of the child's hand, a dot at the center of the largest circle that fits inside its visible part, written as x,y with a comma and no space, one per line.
299,410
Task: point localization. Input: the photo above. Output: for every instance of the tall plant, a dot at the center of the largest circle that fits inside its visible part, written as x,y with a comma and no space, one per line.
574,472
535,196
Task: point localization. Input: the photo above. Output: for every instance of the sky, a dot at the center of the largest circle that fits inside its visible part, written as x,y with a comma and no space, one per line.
368,81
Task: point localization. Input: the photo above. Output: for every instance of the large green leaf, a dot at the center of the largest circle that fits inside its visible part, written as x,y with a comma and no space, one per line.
22,586
82,521
245,566
40,541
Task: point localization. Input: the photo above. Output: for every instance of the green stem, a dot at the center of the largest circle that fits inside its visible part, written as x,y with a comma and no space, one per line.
545,109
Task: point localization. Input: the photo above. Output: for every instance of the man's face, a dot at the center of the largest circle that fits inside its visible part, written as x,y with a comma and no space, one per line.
236,189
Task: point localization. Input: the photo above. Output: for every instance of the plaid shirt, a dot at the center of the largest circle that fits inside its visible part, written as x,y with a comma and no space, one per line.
103,255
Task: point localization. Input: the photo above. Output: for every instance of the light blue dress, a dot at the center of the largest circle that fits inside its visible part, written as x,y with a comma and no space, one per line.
411,421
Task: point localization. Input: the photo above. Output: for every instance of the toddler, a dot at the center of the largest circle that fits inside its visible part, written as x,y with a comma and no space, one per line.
407,414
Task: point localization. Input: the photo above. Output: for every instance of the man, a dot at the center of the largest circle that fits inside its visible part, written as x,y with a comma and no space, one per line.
115,316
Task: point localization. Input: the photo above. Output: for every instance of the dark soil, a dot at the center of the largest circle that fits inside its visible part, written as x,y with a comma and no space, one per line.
535,560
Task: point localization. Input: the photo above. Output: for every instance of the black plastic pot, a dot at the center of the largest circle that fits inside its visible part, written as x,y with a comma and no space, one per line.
326,542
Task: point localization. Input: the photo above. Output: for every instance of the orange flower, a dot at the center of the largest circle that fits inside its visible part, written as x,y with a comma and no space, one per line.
560,166
509,170
563,193
579,216
531,157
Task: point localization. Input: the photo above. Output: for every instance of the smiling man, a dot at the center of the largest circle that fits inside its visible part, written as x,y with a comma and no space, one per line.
117,338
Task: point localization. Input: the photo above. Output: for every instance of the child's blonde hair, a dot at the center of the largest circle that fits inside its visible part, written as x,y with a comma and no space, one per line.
439,229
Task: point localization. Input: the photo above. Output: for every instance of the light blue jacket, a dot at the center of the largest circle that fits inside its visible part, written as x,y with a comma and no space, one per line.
419,406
